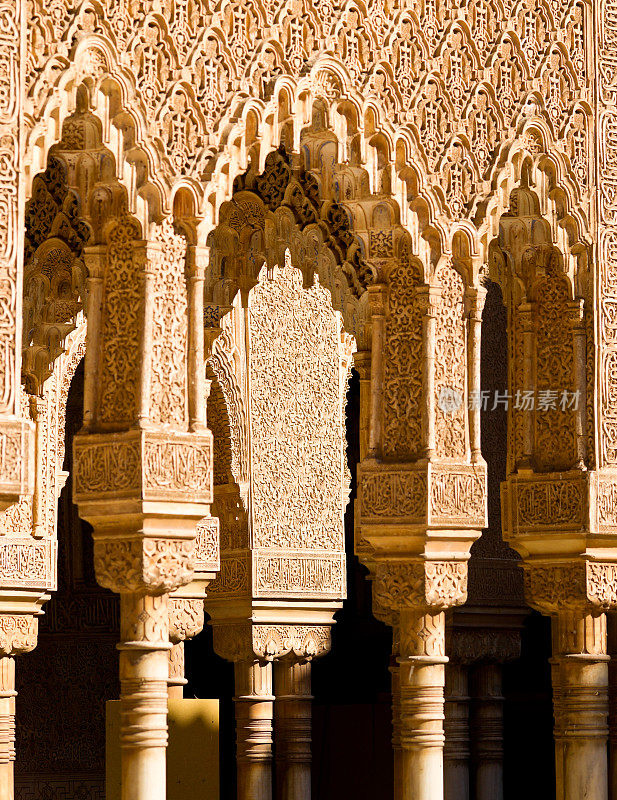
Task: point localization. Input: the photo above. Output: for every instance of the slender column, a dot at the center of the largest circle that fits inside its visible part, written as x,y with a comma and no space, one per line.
581,704
377,295
196,262
579,336
362,363
38,411
293,723
254,713
525,315
7,727
143,695
612,707
488,731
557,716
422,679
429,298
456,750
475,304
95,258
148,251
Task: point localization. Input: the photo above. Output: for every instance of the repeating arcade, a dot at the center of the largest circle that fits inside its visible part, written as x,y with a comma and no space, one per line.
225,205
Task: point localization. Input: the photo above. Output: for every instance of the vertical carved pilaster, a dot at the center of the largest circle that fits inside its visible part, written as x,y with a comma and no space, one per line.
612,705
254,703
293,725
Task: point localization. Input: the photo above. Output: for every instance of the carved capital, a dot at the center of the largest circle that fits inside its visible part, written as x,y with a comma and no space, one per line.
582,585
18,633
150,565
434,585
243,641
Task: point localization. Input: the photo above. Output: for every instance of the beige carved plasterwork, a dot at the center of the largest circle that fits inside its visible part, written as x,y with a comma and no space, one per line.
297,443
239,641
450,365
417,584
299,481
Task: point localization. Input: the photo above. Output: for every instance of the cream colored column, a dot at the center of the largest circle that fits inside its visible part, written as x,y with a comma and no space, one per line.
456,750
254,702
581,704
474,301
293,724
422,679
144,651
7,727
612,707
18,634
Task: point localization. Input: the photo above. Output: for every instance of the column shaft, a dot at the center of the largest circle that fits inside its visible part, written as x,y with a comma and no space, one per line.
7,727
293,723
581,705
612,708
143,695
254,714
422,679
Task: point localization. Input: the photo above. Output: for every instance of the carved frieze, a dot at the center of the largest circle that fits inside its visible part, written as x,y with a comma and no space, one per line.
143,464
438,495
300,573
393,494
458,495
207,552
27,562
552,503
